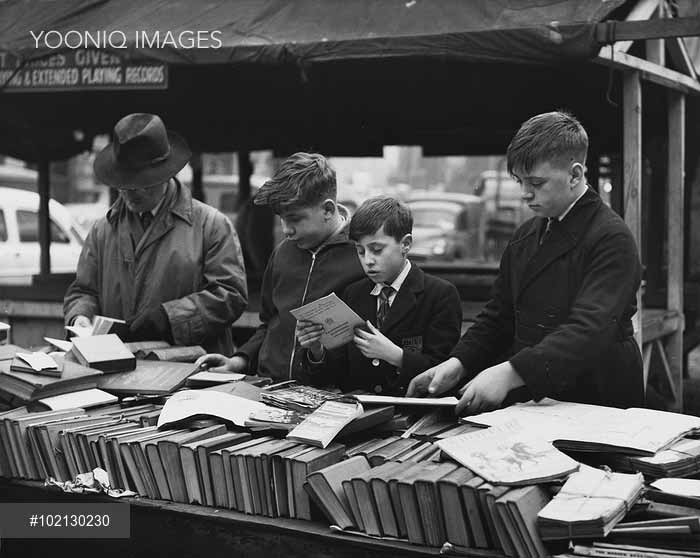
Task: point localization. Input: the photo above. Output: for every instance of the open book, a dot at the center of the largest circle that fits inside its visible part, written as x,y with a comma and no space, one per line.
101,325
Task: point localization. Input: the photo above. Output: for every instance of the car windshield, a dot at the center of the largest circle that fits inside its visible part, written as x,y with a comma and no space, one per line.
434,214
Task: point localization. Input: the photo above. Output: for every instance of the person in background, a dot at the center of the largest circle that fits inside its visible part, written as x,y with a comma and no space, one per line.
559,321
169,265
315,259
413,318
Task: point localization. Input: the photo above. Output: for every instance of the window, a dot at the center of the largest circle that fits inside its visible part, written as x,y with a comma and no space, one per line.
3,227
28,225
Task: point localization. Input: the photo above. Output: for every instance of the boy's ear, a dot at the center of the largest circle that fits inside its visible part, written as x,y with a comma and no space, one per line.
577,173
406,243
329,206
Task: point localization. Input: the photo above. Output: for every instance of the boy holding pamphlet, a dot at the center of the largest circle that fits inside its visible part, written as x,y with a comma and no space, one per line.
315,259
412,319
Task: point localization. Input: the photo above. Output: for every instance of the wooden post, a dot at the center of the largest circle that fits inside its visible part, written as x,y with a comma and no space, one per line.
197,185
632,173
675,275
245,170
44,178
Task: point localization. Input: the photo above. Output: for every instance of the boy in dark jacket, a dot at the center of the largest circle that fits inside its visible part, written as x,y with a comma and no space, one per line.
559,323
315,259
413,319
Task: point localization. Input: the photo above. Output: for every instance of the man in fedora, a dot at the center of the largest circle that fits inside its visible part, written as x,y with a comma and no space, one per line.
169,265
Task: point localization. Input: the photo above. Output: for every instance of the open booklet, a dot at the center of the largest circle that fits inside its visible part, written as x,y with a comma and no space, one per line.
584,427
337,318
101,325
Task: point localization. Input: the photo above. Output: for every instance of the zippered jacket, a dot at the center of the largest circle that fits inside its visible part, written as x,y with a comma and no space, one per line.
293,277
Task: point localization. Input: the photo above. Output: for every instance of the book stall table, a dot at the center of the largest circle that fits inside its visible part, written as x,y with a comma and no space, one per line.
162,528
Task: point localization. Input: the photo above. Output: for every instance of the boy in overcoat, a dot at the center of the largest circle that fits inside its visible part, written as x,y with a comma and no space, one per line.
559,323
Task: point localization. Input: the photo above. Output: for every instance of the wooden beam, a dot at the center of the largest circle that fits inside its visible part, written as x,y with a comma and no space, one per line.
44,218
642,11
612,31
675,237
632,173
648,71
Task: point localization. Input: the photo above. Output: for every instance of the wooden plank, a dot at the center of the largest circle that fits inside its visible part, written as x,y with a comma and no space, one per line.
613,31
44,219
30,309
643,10
656,48
675,237
649,71
632,173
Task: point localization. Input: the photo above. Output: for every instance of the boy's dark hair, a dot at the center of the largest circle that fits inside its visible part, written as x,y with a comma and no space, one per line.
394,215
303,180
552,136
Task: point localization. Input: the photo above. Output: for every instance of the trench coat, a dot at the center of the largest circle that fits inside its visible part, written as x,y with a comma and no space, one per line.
188,262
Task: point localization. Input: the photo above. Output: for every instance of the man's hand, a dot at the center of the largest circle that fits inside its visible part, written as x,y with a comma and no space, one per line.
82,321
309,336
219,363
374,344
436,380
488,389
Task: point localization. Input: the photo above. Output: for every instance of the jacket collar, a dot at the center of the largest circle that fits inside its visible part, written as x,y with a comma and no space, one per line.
180,205
563,237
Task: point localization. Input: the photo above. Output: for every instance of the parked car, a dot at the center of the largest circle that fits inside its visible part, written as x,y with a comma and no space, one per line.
446,226
504,210
19,237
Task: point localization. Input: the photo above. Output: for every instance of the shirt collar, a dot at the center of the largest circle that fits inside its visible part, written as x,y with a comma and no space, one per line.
566,211
396,285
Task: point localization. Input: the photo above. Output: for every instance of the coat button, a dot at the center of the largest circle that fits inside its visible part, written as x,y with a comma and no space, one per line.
378,389
375,362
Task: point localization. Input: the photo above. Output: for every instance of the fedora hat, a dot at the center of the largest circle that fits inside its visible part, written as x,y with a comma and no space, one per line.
142,153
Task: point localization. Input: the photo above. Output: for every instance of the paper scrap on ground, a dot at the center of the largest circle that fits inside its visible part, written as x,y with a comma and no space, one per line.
190,403
337,318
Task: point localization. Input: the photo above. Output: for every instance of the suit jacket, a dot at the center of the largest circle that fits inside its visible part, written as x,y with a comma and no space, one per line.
425,320
561,312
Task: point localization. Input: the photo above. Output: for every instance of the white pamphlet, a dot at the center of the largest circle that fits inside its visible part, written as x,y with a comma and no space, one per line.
337,318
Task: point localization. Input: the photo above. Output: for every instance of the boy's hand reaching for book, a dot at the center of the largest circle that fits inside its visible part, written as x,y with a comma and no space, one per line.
436,380
219,363
309,336
488,389
374,344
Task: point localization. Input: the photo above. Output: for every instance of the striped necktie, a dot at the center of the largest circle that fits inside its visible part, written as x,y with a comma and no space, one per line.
383,309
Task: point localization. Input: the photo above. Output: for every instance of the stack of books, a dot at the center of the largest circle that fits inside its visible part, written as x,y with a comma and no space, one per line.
429,503
61,443
36,363
590,504
27,386
682,459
